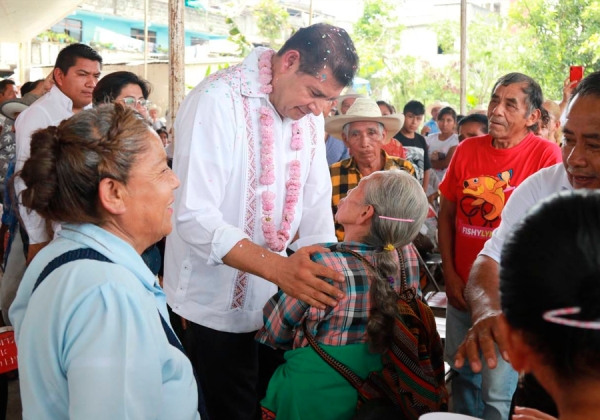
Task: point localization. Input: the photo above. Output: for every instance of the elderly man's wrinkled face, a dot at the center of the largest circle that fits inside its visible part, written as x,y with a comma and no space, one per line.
364,141
508,112
581,143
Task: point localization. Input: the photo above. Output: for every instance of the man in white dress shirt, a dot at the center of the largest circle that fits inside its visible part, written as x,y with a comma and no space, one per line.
76,72
220,270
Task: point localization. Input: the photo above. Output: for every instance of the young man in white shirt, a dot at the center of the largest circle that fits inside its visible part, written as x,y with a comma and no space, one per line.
76,72
241,137
580,169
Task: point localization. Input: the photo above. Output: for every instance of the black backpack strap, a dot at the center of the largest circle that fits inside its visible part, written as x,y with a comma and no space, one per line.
74,255
91,254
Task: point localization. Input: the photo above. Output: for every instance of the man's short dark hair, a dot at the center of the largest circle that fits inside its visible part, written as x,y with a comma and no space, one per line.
111,85
323,45
590,85
68,56
476,118
532,90
414,107
29,86
447,111
4,84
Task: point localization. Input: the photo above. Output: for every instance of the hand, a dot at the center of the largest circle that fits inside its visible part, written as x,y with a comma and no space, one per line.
425,130
183,323
298,277
568,87
455,290
524,413
483,336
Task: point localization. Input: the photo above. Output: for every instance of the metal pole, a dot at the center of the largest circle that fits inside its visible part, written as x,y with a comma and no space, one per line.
176,57
146,39
463,57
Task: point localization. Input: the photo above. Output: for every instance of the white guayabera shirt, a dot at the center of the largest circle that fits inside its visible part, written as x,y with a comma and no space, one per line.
217,160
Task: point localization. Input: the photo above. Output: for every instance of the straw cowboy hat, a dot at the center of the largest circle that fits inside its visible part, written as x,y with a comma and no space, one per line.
350,93
436,104
15,106
364,109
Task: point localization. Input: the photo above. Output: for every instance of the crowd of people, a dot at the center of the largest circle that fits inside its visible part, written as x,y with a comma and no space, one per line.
289,283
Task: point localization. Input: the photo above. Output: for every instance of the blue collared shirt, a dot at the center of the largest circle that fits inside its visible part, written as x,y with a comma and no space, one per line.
90,340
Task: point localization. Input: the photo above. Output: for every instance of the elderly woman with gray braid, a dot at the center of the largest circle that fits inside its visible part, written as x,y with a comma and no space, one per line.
380,216
90,319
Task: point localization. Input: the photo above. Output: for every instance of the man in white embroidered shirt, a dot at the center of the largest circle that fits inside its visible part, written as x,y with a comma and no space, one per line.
249,154
76,72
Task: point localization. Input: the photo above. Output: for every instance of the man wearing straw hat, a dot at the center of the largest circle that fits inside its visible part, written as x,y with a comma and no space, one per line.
363,129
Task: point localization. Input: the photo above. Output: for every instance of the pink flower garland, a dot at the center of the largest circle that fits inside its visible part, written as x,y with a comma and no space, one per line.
276,239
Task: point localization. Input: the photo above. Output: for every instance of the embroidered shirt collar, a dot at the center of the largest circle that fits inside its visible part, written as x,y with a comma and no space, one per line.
251,85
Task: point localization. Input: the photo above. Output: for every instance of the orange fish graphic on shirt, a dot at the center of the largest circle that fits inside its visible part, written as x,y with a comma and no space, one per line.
489,189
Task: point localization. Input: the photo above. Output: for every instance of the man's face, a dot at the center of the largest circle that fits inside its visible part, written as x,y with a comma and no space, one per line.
346,104
297,94
10,92
507,113
79,81
435,112
412,122
470,129
581,143
364,141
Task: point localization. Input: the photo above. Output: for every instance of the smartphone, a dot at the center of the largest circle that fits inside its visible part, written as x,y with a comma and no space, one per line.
576,74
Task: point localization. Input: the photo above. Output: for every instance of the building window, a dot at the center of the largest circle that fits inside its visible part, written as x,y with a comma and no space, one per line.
139,34
198,41
71,27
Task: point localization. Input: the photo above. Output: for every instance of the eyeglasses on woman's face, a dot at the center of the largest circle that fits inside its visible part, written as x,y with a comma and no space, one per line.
131,102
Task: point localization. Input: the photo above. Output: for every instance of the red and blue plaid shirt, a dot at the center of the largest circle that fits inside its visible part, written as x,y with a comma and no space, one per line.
343,324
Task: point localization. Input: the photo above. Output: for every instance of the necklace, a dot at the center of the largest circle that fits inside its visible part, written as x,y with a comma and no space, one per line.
276,239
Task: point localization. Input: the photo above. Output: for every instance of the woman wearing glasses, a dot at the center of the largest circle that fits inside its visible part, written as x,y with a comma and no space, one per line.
125,87
132,91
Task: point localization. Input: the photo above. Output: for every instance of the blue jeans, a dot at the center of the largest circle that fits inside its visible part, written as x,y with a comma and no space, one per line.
486,395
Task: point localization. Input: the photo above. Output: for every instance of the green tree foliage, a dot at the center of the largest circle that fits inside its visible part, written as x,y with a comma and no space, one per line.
272,21
400,78
557,34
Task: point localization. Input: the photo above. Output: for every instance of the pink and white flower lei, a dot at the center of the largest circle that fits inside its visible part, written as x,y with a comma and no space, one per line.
276,239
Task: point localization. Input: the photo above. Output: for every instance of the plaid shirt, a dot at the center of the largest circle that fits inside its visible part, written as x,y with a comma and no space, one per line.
345,176
343,324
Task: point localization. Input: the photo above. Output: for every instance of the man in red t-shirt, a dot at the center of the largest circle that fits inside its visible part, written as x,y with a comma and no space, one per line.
482,174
